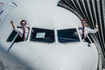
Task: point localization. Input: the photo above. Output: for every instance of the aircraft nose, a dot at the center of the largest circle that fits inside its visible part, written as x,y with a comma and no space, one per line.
57,62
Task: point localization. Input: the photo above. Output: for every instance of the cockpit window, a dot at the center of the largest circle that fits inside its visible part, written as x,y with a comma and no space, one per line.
13,35
42,35
68,35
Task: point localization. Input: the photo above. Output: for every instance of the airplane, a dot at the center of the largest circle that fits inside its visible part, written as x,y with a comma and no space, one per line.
53,43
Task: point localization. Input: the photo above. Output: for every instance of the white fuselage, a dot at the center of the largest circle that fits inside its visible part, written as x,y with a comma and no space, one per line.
34,55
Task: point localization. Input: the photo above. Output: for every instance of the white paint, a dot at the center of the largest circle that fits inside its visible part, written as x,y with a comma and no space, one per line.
44,56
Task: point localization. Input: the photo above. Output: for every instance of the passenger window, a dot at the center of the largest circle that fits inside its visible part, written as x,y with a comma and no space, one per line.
42,35
68,35
13,34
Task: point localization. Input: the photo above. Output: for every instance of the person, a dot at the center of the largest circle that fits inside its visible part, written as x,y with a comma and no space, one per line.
84,31
23,31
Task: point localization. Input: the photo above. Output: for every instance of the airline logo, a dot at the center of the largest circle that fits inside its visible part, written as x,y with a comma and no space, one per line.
0,9
1,4
0,20
1,12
